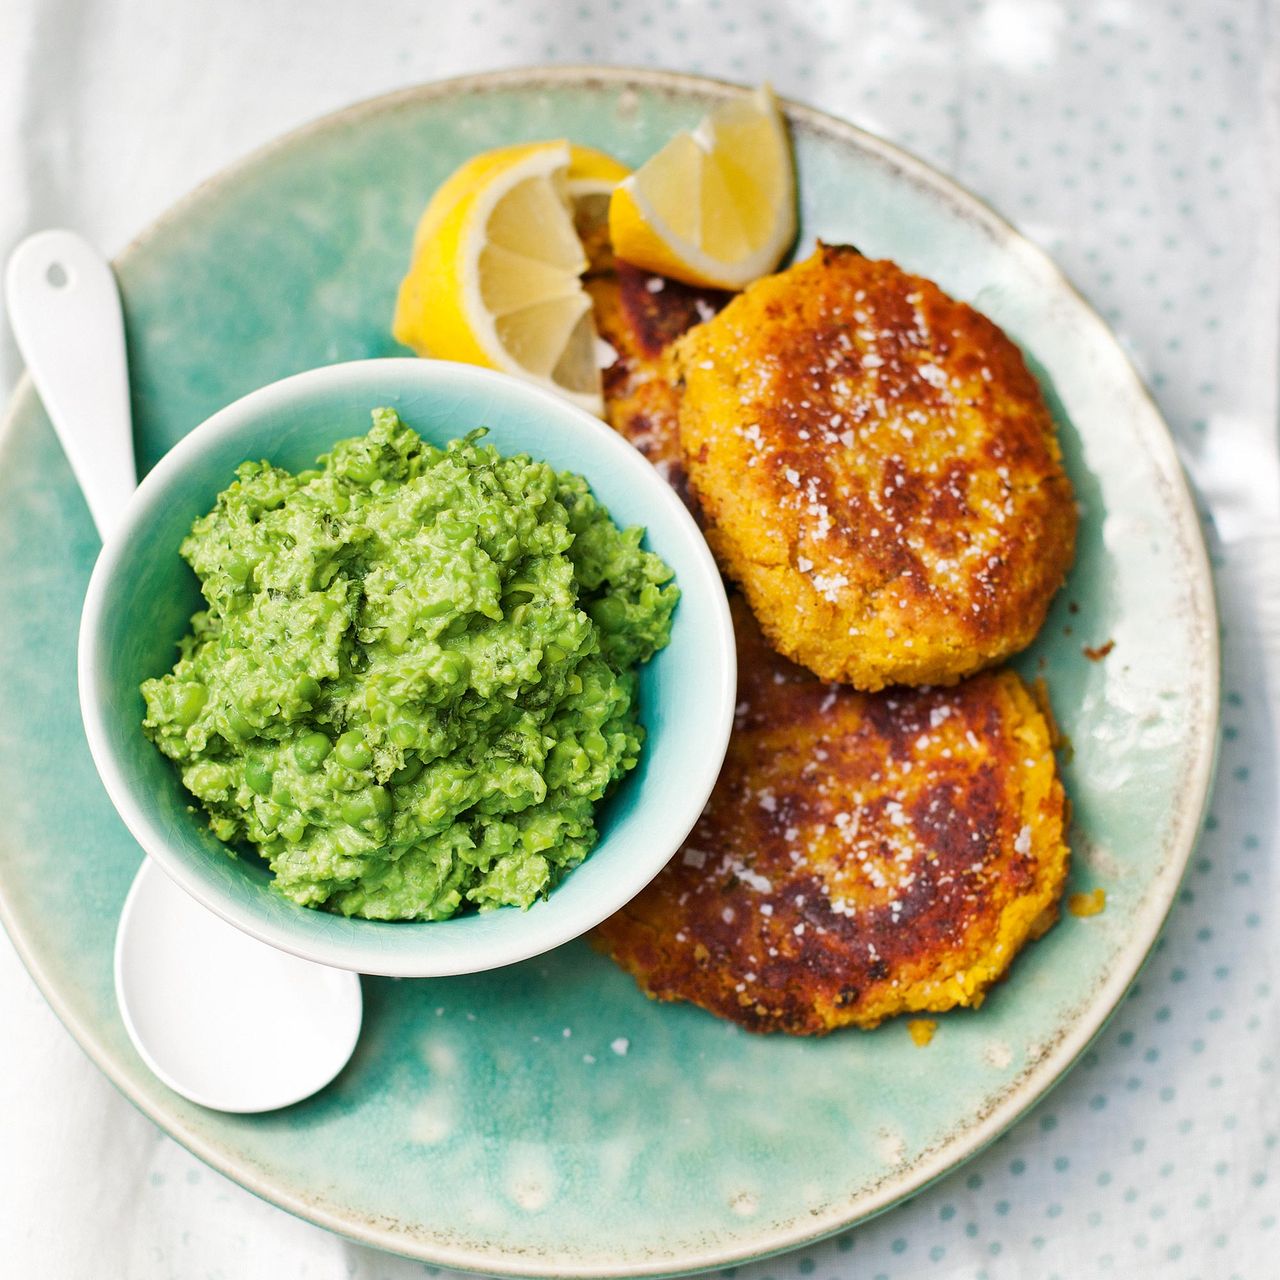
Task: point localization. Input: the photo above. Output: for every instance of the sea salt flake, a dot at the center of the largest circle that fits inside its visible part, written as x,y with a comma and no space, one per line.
754,880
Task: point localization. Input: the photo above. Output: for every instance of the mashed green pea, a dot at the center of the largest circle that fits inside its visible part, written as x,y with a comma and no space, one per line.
415,677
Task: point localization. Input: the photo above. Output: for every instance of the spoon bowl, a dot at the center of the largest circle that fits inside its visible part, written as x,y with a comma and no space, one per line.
220,1017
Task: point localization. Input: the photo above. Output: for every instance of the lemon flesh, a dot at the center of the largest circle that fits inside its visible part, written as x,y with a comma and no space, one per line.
497,261
716,206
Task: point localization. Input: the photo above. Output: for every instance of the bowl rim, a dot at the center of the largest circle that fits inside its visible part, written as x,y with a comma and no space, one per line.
368,952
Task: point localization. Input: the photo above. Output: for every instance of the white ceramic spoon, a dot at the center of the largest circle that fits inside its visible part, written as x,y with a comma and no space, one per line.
220,1017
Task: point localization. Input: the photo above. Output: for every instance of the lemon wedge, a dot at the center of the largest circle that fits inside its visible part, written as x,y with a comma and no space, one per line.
717,205
497,260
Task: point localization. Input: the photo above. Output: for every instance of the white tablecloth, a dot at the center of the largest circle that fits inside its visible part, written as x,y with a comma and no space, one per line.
1138,141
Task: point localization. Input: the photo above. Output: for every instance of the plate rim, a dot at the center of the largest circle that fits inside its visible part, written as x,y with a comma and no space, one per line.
1099,1004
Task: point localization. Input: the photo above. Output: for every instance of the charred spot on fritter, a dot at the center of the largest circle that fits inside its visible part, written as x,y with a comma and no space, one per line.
638,314
658,309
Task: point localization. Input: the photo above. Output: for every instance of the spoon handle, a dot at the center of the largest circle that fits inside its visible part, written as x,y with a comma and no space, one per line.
65,309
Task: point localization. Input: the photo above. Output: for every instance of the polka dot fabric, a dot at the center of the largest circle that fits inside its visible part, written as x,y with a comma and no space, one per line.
1135,141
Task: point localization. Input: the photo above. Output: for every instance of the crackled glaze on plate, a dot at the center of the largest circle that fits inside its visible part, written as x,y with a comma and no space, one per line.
546,1119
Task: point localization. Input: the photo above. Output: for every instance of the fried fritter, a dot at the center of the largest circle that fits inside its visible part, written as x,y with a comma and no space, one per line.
878,470
862,855
639,314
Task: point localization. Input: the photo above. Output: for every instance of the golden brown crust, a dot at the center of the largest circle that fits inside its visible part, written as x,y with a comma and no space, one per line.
640,315
861,856
878,470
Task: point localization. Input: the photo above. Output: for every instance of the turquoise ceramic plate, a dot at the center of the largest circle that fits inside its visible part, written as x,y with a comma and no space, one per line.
547,1119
